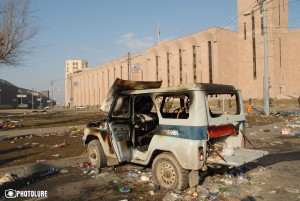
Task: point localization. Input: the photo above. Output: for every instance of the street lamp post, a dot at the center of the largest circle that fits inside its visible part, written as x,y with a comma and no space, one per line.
266,67
51,101
263,5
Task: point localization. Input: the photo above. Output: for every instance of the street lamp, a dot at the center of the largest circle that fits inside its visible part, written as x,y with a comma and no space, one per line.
263,5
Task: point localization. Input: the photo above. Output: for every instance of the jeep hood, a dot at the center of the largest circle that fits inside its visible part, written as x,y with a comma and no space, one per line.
125,85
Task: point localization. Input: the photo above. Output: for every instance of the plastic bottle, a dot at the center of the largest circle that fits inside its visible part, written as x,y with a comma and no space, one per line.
124,190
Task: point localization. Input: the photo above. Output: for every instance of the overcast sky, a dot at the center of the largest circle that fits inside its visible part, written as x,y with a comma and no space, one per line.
102,30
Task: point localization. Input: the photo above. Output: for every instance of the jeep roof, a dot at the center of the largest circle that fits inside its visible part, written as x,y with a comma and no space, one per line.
141,87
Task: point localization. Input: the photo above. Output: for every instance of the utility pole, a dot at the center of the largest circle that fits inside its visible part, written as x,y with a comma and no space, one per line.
266,65
51,101
32,98
129,65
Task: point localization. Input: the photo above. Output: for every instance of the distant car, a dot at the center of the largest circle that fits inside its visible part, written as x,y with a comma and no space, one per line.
80,107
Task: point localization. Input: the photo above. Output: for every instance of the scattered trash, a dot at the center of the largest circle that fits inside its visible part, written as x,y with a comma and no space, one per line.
286,131
233,190
228,179
124,190
145,178
151,193
6,179
203,193
242,179
10,124
170,197
296,133
291,190
56,155
63,171
40,161
156,188
255,190
275,143
64,144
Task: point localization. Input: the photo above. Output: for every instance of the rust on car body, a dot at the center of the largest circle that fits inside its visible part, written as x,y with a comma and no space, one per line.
103,136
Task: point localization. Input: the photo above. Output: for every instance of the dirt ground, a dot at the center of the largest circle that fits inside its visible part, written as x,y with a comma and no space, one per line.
44,146
57,145
273,177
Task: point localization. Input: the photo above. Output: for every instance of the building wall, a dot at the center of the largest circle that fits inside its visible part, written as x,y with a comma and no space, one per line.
72,67
214,55
291,69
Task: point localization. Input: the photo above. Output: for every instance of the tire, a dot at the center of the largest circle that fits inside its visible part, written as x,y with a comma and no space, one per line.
96,154
168,173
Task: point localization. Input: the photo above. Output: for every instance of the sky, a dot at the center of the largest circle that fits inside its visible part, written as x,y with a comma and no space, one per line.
102,30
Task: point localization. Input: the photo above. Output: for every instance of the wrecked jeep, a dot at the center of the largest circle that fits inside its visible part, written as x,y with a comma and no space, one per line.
178,130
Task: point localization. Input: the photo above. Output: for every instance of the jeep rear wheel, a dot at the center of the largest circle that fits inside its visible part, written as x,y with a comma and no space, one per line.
96,154
168,173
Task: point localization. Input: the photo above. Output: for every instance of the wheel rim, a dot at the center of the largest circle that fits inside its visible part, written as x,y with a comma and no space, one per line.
166,174
93,155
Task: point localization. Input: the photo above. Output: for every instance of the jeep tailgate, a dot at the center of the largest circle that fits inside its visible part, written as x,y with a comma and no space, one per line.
240,157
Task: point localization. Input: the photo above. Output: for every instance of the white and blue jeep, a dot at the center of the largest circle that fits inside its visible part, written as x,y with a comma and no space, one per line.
178,130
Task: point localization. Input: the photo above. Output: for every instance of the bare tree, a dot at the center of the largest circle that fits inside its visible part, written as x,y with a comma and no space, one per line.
17,29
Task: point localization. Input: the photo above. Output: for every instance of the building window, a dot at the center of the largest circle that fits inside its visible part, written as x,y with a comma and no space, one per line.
156,68
194,63
279,12
262,25
180,65
253,47
168,68
280,52
210,62
245,31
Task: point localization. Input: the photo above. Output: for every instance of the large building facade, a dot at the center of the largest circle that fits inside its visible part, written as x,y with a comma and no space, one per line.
215,55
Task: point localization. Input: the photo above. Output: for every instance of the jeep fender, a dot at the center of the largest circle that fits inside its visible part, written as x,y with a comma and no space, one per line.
103,136
185,151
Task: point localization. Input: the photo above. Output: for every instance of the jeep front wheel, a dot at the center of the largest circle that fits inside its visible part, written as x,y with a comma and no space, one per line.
168,173
96,154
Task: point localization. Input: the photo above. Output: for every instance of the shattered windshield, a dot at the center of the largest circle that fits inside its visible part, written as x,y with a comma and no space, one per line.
223,104
121,108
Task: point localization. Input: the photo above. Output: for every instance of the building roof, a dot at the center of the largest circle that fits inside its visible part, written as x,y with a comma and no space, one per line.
6,83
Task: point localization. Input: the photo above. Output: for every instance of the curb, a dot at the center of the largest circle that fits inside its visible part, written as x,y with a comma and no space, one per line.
31,168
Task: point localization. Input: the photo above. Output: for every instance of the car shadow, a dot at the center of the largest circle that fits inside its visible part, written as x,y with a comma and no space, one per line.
272,159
